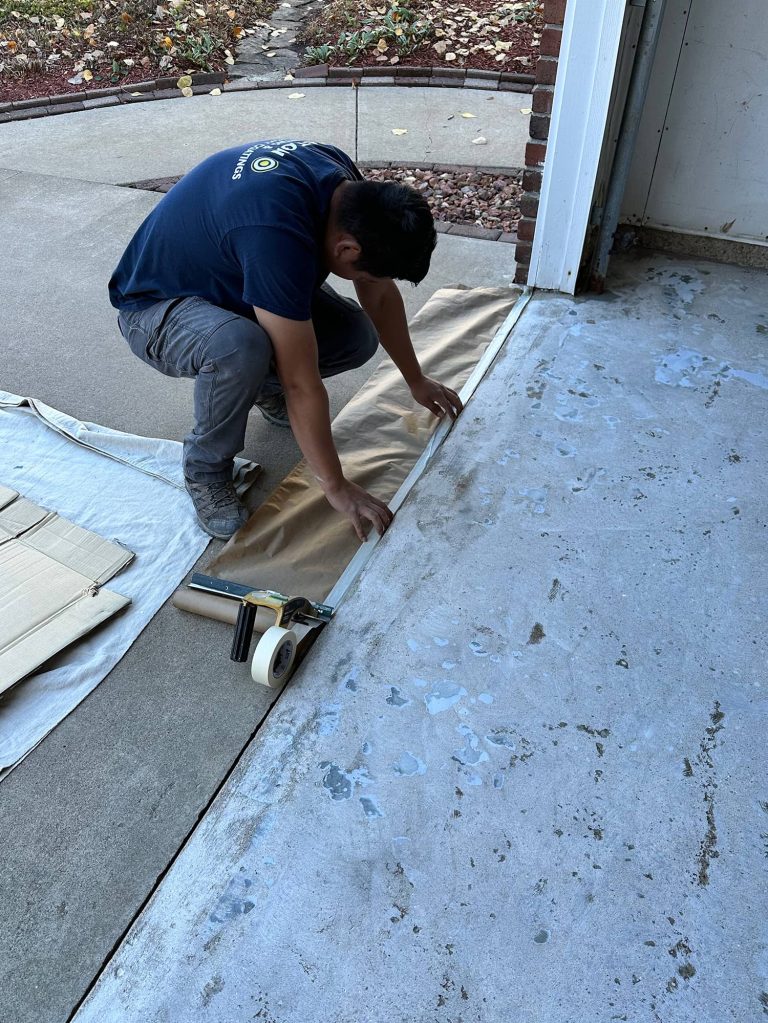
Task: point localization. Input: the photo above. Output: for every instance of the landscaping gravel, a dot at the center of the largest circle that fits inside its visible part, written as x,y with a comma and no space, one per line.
462,196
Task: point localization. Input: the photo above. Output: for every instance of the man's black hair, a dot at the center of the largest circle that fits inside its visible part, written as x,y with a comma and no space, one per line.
393,226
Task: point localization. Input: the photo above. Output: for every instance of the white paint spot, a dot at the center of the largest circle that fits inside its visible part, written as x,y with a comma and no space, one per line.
535,498
685,367
471,754
485,698
757,379
570,415
443,696
328,719
408,765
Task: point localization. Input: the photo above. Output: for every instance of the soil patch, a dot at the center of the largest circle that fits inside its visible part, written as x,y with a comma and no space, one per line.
478,34
51,47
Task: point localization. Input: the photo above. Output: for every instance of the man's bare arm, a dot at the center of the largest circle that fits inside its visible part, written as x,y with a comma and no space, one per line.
383,302
295,348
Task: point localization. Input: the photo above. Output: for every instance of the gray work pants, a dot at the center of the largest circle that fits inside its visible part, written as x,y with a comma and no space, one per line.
232,361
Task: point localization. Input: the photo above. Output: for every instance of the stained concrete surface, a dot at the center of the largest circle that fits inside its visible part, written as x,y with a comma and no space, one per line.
522,775
163,138
91,819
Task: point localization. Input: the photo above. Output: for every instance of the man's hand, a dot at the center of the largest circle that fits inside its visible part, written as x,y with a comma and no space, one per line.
360,507
436,397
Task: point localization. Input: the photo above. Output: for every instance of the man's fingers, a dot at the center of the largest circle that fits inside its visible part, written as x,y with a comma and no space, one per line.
359,526
381,517
457,402
449,403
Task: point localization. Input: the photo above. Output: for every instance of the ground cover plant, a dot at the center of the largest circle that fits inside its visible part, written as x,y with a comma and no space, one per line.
482,34
57,46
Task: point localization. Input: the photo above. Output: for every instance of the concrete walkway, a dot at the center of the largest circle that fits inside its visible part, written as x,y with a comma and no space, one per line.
167,137
93,817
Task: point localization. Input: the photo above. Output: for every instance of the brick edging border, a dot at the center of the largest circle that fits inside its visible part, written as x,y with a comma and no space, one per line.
311,77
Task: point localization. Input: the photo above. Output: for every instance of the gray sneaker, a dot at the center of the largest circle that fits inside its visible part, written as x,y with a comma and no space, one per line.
274,410
220,511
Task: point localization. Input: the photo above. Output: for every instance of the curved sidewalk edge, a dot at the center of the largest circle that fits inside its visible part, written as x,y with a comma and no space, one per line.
318,76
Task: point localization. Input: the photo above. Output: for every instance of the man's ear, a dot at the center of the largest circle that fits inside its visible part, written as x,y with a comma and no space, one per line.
347,250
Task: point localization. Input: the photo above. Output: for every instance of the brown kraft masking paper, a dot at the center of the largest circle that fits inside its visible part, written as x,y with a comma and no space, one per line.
295,542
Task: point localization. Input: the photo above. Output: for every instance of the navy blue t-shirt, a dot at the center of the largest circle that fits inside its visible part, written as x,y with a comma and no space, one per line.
244,228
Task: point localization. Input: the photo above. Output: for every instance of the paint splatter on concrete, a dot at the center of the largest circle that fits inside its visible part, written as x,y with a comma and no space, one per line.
534,499
340,784
328,719
370,808
685,367
537,634
500,737
409,765
234,902
443,696
212,988
396,698
470,754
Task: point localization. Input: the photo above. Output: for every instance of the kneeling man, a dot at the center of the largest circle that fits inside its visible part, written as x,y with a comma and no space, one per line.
225,282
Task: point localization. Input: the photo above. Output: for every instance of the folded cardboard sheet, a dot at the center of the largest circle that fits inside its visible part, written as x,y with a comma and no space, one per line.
119,485
295,542
51,584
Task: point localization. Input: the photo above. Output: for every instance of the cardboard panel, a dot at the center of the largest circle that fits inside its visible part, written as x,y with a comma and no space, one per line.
51,572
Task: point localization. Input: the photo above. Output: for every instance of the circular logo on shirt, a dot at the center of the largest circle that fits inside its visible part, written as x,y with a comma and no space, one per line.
264,163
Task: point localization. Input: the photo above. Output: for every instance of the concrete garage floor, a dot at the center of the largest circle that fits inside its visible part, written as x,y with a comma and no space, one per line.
584,557
522,776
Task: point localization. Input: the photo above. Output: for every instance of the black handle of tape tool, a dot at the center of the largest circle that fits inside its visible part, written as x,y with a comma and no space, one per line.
241,644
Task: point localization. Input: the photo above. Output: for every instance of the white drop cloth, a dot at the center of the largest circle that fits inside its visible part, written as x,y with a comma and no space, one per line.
126,488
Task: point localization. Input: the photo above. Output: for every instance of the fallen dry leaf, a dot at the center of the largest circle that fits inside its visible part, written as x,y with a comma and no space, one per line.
215,92
296,95
87,76
525,110
467,114
186,91
481,140
399,131
184,82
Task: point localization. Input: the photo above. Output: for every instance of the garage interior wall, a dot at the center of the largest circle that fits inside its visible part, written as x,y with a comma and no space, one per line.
699,165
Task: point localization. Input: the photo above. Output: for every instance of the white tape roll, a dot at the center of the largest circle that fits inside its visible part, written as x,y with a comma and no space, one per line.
273,657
